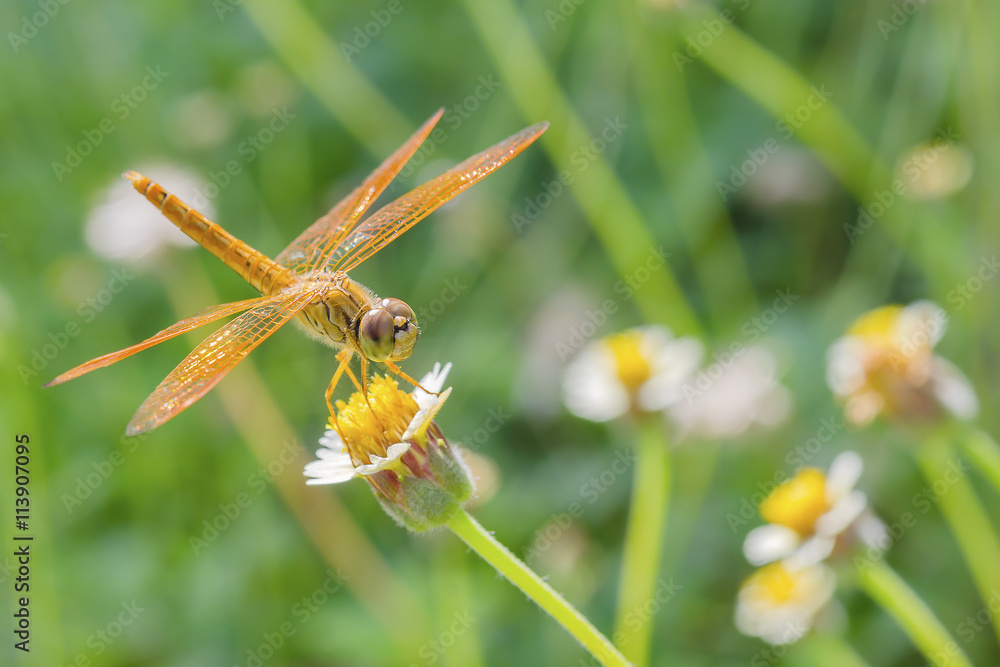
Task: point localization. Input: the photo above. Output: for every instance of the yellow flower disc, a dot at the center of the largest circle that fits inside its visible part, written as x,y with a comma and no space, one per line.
798,502
773,582
633,367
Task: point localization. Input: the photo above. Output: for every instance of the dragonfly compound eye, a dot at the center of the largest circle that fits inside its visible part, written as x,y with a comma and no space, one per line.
399,308
376,334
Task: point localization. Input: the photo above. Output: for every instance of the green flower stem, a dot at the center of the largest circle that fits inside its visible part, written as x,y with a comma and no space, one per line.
893,594
519,574
945,472
308,51
616,220
700,215
643,540
984,453
780,90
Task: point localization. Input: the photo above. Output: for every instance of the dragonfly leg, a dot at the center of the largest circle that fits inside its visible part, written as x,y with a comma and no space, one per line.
364,376
344,357
399,371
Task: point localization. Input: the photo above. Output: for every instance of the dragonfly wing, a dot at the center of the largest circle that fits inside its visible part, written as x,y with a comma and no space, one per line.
312,248
213,358
201,318
393,219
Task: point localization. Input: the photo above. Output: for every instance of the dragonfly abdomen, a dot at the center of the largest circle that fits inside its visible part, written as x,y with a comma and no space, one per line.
255,267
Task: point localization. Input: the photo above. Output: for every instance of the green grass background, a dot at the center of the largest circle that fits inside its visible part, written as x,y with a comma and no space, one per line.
522,291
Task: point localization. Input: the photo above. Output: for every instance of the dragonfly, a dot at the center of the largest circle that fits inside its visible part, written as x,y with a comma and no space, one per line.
308,281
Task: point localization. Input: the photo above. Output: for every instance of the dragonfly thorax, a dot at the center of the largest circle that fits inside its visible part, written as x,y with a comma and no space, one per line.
349,314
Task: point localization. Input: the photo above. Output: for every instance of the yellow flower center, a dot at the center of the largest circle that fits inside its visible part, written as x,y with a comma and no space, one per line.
368,428
798,502
773,582
894,360
877,325
633,367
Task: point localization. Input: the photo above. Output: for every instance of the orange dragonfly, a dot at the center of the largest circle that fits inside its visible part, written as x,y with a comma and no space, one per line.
307,281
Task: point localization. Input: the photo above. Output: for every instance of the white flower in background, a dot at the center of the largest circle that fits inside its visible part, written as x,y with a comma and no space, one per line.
780,604
745,392
639,370
264,86
935,169
125,226
201,120
335,463
885,364
807,514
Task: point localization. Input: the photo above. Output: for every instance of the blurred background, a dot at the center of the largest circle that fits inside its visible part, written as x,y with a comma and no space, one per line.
833,157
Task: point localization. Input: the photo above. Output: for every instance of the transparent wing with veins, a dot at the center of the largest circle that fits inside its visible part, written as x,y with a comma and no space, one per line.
210,314
383,226
312,249
214,357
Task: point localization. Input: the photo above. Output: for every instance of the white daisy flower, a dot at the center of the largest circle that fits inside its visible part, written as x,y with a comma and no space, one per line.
640,370
807,514
744,393
389,438
935,170
779,604
886,365
335,463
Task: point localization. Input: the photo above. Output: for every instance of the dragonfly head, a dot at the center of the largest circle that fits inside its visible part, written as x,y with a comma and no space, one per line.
388,332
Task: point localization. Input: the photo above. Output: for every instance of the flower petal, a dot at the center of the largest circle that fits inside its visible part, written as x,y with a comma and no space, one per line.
769,543
424,416
378,463
872,531
591,385
432,382
845,365
332,467
671,366
812,552
331,441
920,326
845,470
842,515
953,389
